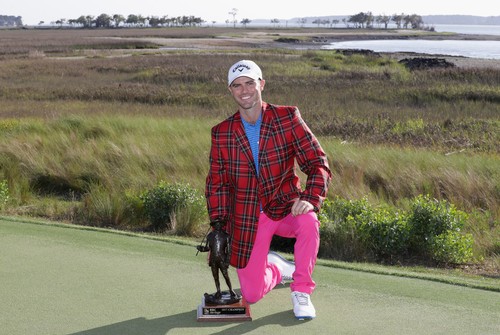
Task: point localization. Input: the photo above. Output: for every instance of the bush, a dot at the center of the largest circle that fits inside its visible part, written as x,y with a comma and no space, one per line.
386,233
435,231
431,231
452,248
173,207
4,193
340,235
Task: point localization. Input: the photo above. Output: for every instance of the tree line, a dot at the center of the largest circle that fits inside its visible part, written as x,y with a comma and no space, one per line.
132,20
11,21
360,20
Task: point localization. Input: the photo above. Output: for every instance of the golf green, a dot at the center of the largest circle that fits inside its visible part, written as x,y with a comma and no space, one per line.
58,280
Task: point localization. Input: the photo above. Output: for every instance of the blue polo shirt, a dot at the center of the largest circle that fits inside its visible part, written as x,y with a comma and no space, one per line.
253,134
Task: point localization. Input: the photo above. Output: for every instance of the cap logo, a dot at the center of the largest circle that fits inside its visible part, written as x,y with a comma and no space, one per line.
241,67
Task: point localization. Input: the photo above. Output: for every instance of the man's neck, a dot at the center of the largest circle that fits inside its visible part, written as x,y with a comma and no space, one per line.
251,115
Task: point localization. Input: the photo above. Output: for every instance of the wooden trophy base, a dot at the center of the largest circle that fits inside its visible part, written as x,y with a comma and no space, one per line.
239,311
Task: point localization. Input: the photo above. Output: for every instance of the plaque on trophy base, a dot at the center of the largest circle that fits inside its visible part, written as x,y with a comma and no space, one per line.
225,310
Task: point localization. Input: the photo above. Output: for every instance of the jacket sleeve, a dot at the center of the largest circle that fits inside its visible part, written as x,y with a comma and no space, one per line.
312,160
216,187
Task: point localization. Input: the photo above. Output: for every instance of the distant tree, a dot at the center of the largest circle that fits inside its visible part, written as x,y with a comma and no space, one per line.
82,20
103,21
383,19
60,22
416,21
233,12
154,21
244,22
361,20
132,19
334,23
118,19
398,19
11,21
275,22
302,21
90,20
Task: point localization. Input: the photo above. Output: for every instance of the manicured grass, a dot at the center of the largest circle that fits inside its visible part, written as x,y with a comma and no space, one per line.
65,279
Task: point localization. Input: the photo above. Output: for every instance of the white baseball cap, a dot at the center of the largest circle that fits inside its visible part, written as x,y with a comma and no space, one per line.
244,68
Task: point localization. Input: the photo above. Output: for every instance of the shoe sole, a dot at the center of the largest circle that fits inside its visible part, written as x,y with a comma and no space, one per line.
303,318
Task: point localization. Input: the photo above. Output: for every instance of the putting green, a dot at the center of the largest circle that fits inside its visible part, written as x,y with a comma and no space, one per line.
56,280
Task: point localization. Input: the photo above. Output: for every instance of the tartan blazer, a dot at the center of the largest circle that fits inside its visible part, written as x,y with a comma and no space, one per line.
233,190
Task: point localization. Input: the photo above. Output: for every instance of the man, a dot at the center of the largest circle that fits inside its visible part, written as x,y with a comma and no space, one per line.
252,187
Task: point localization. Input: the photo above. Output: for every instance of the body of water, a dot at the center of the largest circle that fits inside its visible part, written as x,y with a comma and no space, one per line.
468,29
473,49
487,49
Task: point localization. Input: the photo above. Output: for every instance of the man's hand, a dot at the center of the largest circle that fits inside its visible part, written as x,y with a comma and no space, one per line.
301,207
202,248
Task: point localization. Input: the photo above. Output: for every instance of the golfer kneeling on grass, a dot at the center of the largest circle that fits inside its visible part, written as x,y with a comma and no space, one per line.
252,186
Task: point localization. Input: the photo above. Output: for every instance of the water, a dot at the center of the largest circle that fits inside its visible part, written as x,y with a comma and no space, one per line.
487,49
468,29
473,49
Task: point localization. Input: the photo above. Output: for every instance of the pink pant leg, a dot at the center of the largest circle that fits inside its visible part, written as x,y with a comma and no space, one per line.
305,228
259,277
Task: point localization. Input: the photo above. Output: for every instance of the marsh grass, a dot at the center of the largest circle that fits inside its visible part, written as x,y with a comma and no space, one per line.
83,133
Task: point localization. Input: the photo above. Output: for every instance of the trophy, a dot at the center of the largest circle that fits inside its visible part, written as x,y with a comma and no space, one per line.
220,305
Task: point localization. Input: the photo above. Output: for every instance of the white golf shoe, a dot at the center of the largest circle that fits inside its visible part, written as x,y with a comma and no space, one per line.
303,307
286,267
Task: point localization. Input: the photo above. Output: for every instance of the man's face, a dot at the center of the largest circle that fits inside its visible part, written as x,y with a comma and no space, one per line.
247,92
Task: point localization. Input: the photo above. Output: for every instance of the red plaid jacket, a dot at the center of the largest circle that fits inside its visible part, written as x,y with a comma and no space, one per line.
233,190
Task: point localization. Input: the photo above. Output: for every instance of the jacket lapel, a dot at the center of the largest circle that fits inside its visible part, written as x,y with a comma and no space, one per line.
244,144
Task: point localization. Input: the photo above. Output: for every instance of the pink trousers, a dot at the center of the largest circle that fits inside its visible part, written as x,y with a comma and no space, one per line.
259,277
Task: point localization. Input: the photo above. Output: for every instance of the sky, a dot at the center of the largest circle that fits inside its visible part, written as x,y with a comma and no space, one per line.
34,11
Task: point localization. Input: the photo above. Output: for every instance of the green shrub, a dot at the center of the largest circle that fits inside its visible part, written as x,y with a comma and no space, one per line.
431,231
339,230
385,233
4,193
165,202
452,248
435,231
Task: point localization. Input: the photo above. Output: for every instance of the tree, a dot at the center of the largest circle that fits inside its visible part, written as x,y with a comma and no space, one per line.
10,20
244,22
132,19
154,21
398,19
275,22
103,21
118,19
233,12
89,20
416,21
361,20
60,22
82,20
383,19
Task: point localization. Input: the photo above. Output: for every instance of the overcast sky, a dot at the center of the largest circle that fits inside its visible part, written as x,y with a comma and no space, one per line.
34,11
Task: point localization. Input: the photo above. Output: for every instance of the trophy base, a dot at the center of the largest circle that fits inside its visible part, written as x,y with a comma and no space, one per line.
228,309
